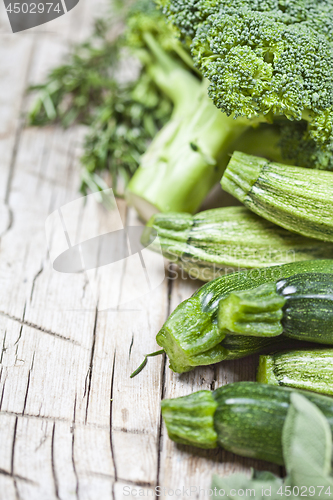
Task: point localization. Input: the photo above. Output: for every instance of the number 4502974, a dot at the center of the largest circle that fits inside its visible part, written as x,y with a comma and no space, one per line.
304,491
33,8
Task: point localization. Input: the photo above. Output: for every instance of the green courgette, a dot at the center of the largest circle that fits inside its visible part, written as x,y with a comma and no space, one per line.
216,242
292,197
300,306
245,418
301,369
191,336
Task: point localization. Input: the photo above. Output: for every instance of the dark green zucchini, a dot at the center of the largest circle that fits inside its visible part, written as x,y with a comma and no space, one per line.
191,336
292,197
245,418
216,242
300,306
301,369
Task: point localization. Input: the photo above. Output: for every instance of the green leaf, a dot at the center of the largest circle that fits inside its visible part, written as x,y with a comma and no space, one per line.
307,444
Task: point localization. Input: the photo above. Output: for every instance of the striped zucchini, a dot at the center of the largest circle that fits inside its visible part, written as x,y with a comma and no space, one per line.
295,198
301,369
191,335
300,306
246,418
216,242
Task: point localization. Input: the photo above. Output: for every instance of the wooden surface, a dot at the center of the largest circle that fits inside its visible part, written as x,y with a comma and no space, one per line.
73,425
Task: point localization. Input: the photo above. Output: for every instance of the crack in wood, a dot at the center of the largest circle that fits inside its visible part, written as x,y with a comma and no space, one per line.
130,347
140,432
17,477
3,349
10,221
163,377
12,460
140,484
212,385
28,383
39,328
20,332
44,438
3,389
54,474
110,431
73,448
52,419
39,272
91,365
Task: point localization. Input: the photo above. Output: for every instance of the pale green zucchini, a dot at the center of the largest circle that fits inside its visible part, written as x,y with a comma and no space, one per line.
301,369
216,242
295,198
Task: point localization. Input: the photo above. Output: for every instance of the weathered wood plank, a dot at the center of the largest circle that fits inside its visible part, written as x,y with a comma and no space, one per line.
73,425
184,466
32,459
122,339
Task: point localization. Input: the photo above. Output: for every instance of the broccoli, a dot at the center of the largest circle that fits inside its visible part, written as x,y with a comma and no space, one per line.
256,61
264,58
188,156
188,15
265,62
259,66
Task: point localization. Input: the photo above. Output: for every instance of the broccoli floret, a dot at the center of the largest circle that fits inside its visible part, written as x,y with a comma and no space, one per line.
264,58
260,67
188,15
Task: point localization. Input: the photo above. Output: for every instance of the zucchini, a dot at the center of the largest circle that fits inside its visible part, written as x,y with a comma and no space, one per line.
295,198
300,306
191,336
245,418
216,242
301,369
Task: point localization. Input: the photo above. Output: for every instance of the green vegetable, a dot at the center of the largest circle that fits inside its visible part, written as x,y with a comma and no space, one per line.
300,306
301,369
215,242
125,123
191,336
263,58
307,450
124,114
183,161
246,418
73,91
188,157
261,64
291,197
188,15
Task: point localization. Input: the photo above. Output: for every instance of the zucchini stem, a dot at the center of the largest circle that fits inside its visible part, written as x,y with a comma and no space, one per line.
145,361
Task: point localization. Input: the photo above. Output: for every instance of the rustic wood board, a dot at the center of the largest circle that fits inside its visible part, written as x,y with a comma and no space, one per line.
73,425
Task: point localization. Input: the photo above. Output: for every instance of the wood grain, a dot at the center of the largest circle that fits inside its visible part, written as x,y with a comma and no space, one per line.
73,425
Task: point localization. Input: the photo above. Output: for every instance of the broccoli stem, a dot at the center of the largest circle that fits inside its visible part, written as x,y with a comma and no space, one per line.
188,156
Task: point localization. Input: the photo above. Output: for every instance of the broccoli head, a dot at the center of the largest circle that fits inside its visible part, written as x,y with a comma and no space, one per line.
257,66
188,15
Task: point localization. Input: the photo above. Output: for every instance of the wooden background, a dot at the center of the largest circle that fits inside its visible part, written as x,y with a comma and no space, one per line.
73,425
